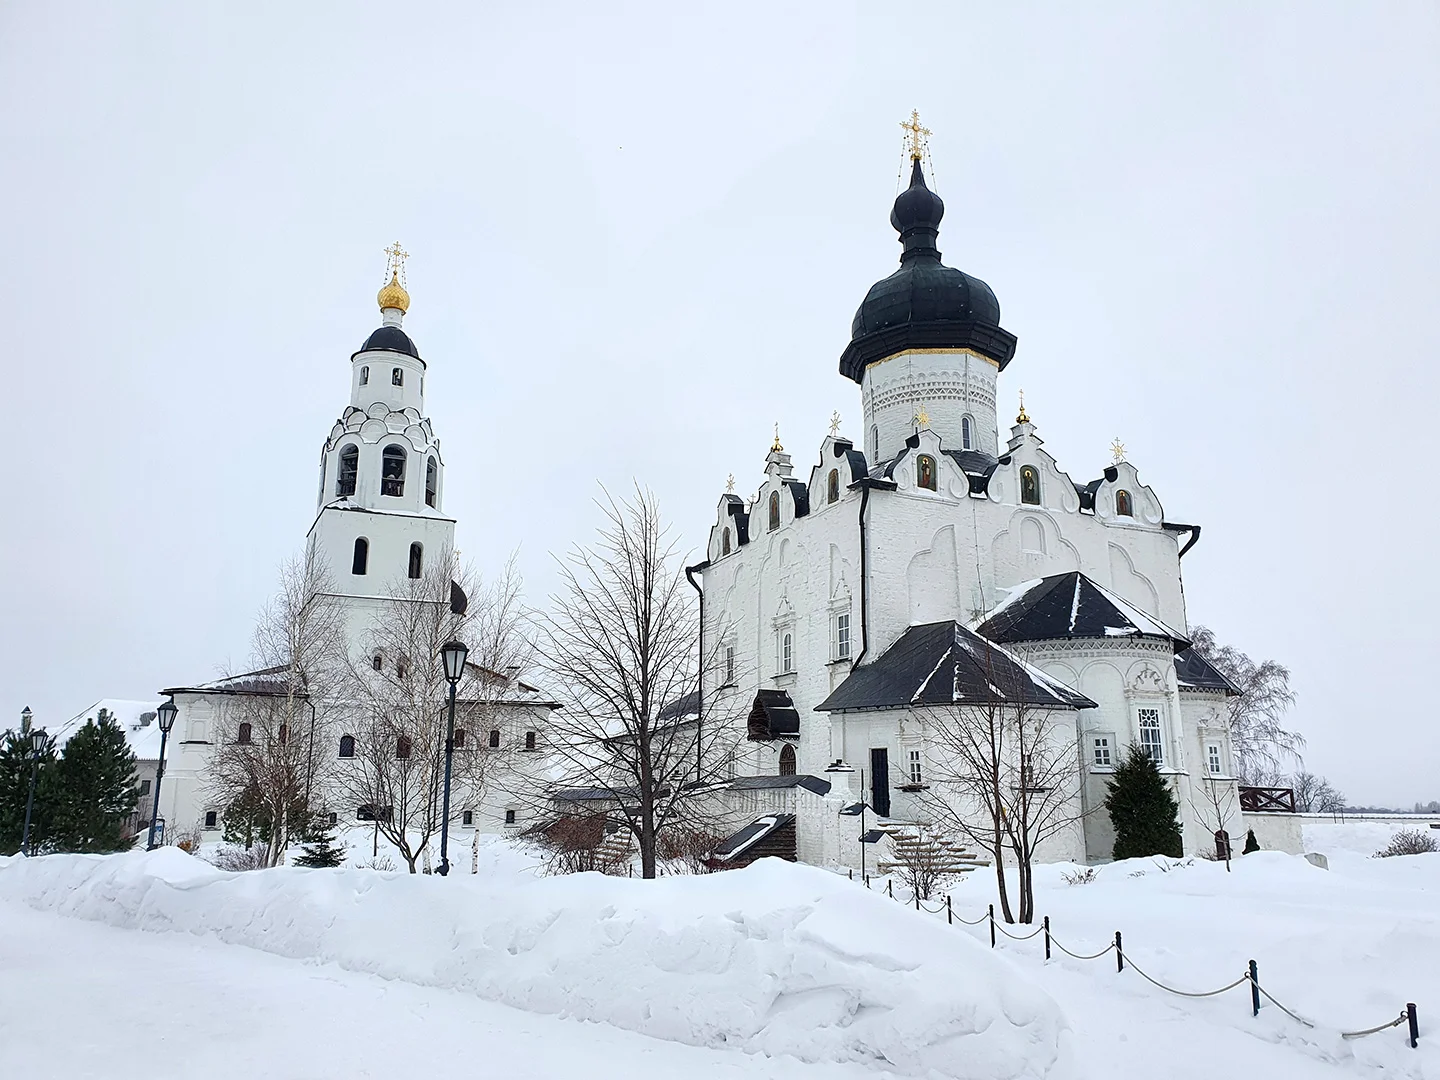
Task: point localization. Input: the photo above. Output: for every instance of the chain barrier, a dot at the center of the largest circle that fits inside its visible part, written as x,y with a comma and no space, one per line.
1407,1014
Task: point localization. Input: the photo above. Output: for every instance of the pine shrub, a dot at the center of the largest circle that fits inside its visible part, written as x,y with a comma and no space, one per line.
1143,809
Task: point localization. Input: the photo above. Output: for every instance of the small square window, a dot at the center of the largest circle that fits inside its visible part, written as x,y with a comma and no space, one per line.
211,818
468,817
509,817
1100,751
144,787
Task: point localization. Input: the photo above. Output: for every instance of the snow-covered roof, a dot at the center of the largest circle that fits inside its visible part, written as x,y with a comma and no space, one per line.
946,664
269,681
1071,606
138,718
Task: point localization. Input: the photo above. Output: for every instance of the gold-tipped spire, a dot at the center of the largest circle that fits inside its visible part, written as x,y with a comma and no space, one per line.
1118,449
1023,417
393,294
916,136
775,447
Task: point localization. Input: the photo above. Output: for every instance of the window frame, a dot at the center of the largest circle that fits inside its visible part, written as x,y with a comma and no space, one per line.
1215,759
729,665
392,482
1124,504
492,741
212,819
844,643
531,742
344,740
832,487
245,734
774,505
404,748
926,470
967,432
416,566
915,763
432,481
1154,745
1107,738
397,376
787,652
347,468
365,375
360,559
725,542
1033,474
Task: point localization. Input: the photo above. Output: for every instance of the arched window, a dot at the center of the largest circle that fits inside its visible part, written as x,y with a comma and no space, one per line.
392,470
349,469
1029,485
402,747
243,735
967,433
365,375
529,740
347,745
459,738
432,481
1122,504
725,541
361,560
787,653
832,486
397,376
494,739
787,760
774,510
415,554
925,471
874,443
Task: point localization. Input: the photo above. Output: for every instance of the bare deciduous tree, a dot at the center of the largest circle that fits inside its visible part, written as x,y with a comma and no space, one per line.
266,756
1315,794
1215,810
621,641
1259,741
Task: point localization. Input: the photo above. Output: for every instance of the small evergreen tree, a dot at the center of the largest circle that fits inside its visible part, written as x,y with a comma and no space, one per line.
321,848
15,766
1143,809
97,789
1251,844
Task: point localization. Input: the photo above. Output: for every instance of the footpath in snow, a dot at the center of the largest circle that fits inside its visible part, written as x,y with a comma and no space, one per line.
775,959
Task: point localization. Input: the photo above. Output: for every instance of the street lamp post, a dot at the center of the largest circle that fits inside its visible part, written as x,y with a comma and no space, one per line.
167,713
35,751
452,655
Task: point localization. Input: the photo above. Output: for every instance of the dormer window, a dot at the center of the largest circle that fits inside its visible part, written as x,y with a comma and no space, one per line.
832,486
397,376
365,375
925,472
774,510
1122,504
1029,485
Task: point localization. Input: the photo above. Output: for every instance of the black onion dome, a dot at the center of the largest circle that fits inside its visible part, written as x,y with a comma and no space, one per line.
390,339
924,304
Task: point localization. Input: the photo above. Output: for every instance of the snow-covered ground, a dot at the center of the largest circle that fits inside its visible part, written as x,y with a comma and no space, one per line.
775,970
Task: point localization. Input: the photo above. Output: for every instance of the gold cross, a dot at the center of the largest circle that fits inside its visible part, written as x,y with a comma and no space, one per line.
834,423
1024,417
915,135
730,484
1118,449
775,447
922,418
395,257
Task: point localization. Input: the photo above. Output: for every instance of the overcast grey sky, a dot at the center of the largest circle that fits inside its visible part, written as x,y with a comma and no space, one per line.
638,236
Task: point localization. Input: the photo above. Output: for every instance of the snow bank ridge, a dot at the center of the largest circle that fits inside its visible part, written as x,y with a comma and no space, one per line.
776,958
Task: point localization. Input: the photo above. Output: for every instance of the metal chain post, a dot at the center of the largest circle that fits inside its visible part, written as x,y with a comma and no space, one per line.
1254,989
949,911
1119,953
992,926
1414,1025
1047,937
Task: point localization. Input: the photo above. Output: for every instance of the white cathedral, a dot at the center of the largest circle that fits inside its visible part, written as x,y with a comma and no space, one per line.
844,603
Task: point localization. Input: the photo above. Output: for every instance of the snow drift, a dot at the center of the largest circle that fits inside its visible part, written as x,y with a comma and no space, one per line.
776,958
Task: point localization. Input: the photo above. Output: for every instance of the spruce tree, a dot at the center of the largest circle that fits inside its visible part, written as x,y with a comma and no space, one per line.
15,766
322,849
97,789
1143,809
1251,844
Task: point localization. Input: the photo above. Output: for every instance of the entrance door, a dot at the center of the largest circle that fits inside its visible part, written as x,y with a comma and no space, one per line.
880,780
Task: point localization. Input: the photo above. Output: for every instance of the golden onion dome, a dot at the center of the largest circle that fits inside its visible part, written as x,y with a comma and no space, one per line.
393,295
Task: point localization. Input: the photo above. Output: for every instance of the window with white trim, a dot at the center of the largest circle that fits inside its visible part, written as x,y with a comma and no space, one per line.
1100,755
787,653
729,664
917,770
1150,739
842,635
1212,756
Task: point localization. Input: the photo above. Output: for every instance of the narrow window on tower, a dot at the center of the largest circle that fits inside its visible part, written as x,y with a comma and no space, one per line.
832,487
787,653
1122,504
349,469
725,541
361,560
729,664
415,554
392,470
397,376
787,760
365,375
925,472
874,444
432,481
774,510
967,434
1029,485
842,636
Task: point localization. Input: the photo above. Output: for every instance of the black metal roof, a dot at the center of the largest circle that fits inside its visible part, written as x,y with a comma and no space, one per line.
946,664
773,716
924,304
683,707
800,493
757,830
1072,606
735,506
774,783
1194,672
390,339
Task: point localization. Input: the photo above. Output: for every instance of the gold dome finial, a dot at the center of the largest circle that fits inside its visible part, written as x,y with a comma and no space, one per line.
775,447
916,136
1024,417
393,294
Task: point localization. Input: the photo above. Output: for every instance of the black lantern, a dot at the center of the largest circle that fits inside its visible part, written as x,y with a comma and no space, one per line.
167,713
452,655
